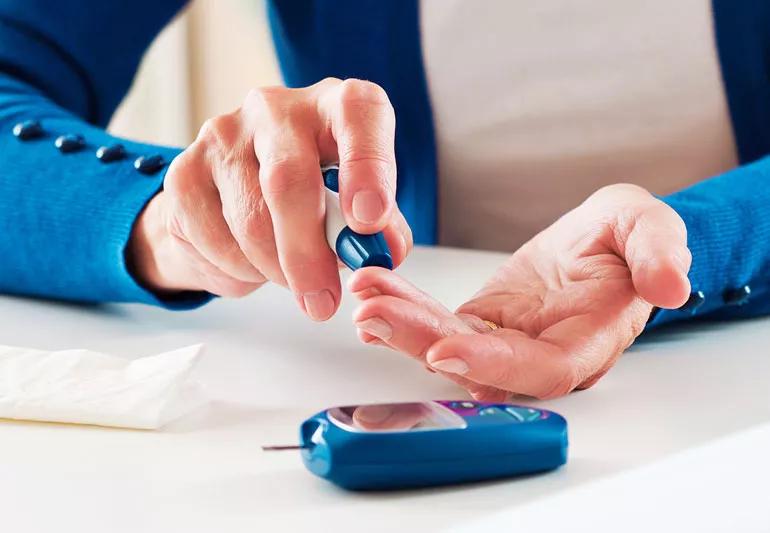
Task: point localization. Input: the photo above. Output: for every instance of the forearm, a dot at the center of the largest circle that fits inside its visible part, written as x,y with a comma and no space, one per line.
66,218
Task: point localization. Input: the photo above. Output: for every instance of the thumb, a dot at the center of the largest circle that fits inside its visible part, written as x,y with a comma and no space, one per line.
657,255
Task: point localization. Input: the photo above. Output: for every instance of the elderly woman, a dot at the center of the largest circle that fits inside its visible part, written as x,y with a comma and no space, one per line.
644,122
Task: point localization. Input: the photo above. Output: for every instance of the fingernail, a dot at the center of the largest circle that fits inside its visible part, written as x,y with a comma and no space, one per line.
377,327
319,305
453,365
367,207
374,414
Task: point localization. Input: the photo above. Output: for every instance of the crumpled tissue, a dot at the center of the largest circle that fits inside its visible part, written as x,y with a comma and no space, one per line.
85,387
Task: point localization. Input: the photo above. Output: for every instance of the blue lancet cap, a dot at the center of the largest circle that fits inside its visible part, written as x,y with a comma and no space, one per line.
354,249
331,177
358,251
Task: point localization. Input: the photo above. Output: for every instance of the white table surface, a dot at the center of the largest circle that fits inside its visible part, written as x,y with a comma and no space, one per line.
683,421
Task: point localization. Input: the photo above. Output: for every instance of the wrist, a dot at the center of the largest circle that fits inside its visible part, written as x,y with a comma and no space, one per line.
147,237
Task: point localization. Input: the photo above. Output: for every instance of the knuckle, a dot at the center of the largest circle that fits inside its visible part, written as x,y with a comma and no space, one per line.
356,92
617,198
274,105
265,96
280,176
663,212
253,97
220,132
620,188
328,82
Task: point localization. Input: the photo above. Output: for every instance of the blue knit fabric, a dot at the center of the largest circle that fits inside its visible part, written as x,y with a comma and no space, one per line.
65,220
728,217
728,230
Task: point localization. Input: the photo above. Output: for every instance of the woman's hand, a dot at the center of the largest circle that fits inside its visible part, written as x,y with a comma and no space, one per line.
567,303
244,204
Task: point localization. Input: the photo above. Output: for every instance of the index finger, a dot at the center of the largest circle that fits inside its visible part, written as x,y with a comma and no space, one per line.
362,123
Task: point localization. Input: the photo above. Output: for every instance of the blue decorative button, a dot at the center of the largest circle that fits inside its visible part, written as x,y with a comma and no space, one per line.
694,302
70,143
108,154
149,164
737,296
27,130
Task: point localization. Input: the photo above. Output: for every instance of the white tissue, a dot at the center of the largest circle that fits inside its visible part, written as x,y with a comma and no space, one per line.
84,387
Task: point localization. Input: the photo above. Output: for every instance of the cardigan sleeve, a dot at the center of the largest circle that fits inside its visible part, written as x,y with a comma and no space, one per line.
728,233
66,215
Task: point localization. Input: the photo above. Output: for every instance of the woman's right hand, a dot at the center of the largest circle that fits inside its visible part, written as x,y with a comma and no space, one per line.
244,203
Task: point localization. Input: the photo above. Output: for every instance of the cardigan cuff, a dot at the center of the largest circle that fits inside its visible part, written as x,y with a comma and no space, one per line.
67,216
728,232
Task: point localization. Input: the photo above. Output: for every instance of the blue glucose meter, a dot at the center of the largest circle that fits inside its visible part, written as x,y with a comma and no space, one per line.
407,445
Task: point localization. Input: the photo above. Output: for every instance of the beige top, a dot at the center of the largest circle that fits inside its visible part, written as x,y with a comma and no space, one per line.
539,103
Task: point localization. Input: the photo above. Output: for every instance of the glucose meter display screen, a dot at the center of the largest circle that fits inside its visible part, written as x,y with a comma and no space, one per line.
416,416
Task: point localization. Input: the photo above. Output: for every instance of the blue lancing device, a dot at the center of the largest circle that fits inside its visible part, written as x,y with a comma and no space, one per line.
419,444
353,249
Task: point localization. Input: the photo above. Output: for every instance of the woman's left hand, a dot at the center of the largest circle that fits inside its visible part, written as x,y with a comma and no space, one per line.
567,303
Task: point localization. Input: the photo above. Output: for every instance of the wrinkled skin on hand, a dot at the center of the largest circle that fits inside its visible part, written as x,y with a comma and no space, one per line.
568,303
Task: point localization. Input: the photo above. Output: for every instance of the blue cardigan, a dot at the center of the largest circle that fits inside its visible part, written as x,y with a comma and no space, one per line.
65,215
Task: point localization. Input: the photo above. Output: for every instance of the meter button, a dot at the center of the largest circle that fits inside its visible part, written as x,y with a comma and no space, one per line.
524,414
462,405
533,414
